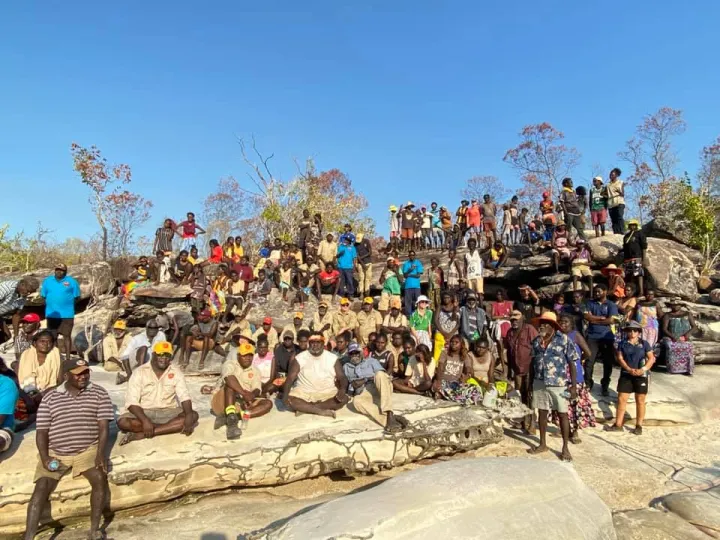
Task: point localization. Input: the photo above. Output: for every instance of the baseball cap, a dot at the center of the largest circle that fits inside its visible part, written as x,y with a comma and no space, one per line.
76,366
368,300
598,178
323,304
354,348
390,259
395,303
245,348
360,237
205,314
120,325
267,320
31,318
61,266
344,302
288,334
163,347
515,315
298,315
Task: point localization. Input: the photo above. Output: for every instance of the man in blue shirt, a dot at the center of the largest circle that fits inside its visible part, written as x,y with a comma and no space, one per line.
601,314
60,292
9,394
346,262
412,269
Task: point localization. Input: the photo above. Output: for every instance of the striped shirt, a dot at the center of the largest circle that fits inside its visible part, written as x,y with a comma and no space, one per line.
10,300
163,239
73,421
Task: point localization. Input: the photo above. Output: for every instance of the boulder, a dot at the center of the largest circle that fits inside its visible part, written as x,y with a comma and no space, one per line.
702,509
651,524
669,229
95,279
163,292
473,498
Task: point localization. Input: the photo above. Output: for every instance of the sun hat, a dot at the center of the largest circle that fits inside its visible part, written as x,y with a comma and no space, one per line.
422,298
409,204
548,317
611,269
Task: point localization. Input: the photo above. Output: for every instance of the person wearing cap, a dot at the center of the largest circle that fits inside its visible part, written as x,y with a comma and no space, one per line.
616,281
60,292
580,259
116,341
344,320
615,190
13,294
316,383
327,251
297,324
412,270
73,429
473,319
553,357
519,346
157,401
29,326
268,331
636,358
371,388
601,314
322,321
420,322
285,352
363,249
634,248
473,269
327,281
395,320
461,220
571,208
390,279
369,321
598,206
139,349
346,263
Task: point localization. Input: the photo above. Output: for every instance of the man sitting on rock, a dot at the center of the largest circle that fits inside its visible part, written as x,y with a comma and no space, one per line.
372,389
139,349
202,337
268,331
154,392
295,326
239,392
117,340
316,383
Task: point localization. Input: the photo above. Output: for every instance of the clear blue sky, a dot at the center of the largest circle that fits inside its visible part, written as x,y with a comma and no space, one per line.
408,98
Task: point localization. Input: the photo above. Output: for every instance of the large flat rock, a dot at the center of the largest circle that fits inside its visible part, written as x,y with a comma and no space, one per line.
651,524
276,449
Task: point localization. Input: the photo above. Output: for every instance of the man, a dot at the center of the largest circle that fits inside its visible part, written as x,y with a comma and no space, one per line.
346,262
528,302
322,322
598,206
600,314
363,249
327,281
372,389
316,383
60,293
394,223
438,237
347,234
395,320
391,288
461,220
413,270
634,247
616,201
407,225
518,343
489,211
117,340
189,230
72,433
473,320
305,278
139,349
571,208
202,336
344,320
13,294
286,351
238,393
553,354
9,394
369,321
182,268
295,326
267,330
151,403
29,326
474,267
327,250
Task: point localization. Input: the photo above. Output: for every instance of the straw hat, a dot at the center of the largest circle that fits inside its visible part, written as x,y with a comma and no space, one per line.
548,317
611,269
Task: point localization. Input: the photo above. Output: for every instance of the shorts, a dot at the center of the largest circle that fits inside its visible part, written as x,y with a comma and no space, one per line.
327,289
284,285
217,402
598,217
394,234
79,463
157,416
407,234
60,326
580,270
315,397
630,384
549,398
489,226
385,299
634,268
476,284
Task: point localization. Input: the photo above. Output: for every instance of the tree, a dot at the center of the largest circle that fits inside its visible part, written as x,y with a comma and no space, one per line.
710,169
542,160
651,153
223,209
478,186
126,212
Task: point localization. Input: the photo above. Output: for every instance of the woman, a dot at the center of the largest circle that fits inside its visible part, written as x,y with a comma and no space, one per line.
580,411
421,321
418,375
39,368
229,249
452,374
635,357
677,327
560,245
194,256
216,252
483,361
616,282
500,315
649,314
446,323
264,360
547,208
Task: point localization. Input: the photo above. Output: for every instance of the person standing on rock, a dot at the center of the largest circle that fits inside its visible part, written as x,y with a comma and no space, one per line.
316,383
72,433
601,315
327,251
189,231
13,294
412,270
571,208
518,343
390,279
473,270
347,261
60,292
634,247
139,349
598,206
364,253
554,361
157,401
615,191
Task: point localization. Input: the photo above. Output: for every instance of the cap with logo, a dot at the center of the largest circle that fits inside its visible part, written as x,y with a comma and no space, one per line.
163,347
298,315
267,320
76,366
245,348
120,325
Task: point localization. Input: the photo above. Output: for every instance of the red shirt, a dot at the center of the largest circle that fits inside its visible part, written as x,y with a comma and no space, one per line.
188,228
217,255
245,272
328,278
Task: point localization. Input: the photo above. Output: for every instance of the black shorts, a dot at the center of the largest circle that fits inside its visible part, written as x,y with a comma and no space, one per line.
630,384
58,326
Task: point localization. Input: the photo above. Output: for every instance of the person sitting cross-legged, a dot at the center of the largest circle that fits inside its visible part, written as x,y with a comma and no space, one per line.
154,391
371,385
238,392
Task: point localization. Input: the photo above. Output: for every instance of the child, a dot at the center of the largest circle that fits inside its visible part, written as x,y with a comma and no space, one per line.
507,229
435,282
558,303
285,279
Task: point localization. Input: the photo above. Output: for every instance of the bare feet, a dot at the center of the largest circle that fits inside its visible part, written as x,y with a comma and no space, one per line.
328,413
565,454
538,449
130,437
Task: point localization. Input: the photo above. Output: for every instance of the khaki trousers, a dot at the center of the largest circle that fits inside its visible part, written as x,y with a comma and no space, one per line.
364,277
376,400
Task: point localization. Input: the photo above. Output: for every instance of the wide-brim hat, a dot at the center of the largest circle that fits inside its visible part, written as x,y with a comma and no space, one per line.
611,269
548,317
632,325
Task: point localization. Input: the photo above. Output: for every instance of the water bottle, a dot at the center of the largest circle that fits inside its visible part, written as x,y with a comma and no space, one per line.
490,398
54,465
245,419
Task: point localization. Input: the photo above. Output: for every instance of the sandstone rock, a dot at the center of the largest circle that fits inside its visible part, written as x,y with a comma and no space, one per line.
541,261
555,279
651,524
701,509
95,279
474,498
162,291
669,229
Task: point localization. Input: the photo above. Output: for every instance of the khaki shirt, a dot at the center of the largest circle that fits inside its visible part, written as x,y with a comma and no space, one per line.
367,323
110,347
395,322
342,320
319,322
148,391
327,251
272,337
249,378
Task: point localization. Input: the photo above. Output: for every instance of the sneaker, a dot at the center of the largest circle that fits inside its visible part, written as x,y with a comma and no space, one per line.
637,430
232,430
219,422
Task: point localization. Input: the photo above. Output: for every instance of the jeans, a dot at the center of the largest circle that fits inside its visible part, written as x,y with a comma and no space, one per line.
605,349
438,238
347,285
411,296
617,216
573,221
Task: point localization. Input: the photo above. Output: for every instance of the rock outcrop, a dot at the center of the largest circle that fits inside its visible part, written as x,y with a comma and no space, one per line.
95,280
651,524
474,498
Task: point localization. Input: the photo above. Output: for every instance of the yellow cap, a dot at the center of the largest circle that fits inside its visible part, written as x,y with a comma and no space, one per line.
298,315
120,325
163,347
245,348
368,300
344,301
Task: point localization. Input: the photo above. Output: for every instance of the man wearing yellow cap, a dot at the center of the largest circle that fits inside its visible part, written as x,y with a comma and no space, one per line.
157,401
238,391
345,319
322,321
369,321
115,342
297,324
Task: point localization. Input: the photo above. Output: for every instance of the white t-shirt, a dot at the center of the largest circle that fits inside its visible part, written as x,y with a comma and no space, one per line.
474,265
317,373
415,371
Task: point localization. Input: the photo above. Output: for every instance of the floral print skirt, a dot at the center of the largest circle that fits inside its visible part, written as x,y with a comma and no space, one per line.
463,394
580,413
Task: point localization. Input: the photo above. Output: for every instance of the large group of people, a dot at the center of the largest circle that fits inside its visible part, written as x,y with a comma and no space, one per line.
432,332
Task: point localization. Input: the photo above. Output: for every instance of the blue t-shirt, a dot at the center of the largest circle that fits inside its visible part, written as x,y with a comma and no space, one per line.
60,296
412,275
606,309
634,355
346,256
8,398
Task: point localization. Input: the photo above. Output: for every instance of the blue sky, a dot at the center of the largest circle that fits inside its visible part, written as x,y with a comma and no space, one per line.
408,98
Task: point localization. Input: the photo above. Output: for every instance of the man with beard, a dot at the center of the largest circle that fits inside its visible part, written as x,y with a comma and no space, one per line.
518,343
